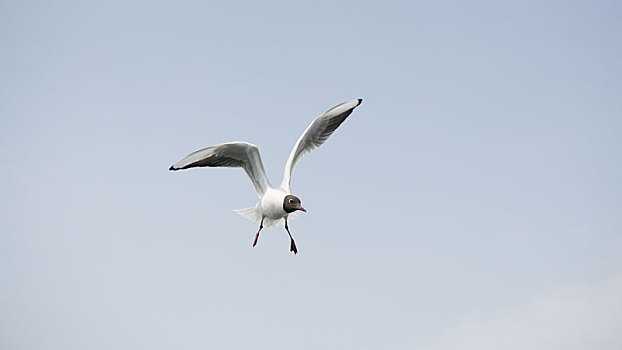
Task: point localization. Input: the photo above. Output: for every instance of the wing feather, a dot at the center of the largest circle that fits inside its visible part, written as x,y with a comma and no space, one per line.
233,155
316,134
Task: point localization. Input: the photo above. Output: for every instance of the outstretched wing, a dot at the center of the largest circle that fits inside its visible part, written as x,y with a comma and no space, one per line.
316,134
234,155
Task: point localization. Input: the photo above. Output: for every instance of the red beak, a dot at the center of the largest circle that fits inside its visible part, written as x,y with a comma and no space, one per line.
302,208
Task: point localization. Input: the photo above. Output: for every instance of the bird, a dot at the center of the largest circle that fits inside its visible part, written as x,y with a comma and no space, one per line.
276,204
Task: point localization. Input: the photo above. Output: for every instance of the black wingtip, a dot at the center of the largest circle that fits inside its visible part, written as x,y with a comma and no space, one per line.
360,101
172,168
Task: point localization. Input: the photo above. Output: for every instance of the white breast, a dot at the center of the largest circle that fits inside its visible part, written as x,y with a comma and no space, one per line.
271,204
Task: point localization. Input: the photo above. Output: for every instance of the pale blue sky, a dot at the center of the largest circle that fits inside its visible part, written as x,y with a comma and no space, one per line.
472,201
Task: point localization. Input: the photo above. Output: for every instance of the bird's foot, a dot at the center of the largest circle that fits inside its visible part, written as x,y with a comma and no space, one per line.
256,238
292,247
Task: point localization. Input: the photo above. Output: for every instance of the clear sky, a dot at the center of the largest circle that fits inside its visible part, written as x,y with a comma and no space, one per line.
472,201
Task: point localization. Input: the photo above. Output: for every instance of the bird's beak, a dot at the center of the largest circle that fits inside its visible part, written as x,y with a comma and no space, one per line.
302,208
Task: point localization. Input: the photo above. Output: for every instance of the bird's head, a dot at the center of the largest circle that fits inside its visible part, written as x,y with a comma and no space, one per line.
291,203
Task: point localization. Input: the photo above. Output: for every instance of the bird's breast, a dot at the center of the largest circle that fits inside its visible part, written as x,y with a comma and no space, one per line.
271,204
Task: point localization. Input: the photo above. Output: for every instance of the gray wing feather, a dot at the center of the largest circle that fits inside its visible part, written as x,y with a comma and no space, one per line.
316,134
233,155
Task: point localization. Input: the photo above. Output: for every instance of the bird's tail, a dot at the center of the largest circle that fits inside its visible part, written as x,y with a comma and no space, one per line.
250,213
253,215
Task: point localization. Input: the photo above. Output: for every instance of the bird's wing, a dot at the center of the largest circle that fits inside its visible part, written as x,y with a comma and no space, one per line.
316,134
234,155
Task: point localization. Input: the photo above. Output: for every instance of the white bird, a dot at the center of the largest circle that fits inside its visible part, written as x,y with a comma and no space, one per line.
275,204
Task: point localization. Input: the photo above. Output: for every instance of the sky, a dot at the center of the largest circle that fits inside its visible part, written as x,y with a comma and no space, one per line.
472,201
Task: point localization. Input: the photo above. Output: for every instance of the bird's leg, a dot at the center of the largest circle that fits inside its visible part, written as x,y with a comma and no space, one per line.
257,235
292,246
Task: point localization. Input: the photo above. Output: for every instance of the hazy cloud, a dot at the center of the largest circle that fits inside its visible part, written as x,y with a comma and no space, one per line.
577,317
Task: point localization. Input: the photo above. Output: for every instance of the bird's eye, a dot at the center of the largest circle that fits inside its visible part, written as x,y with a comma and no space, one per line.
291,201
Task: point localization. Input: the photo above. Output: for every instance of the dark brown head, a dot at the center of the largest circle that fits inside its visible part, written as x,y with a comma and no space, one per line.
291,204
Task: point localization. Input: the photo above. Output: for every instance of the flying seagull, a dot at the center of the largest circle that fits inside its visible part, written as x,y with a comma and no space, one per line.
275,204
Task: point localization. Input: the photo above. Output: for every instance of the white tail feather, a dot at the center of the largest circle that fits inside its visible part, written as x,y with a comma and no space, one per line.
252,214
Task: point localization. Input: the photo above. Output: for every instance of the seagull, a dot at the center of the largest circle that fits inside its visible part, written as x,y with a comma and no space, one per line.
275,203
